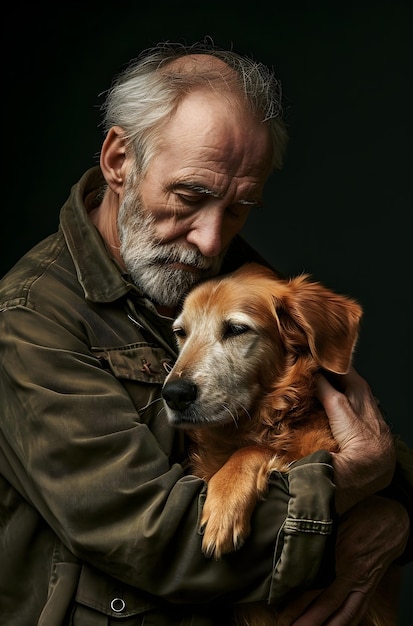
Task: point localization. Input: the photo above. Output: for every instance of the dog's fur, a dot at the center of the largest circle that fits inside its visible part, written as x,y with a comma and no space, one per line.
244,388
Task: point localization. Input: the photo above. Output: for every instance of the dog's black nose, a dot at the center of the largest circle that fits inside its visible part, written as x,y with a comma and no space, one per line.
179,394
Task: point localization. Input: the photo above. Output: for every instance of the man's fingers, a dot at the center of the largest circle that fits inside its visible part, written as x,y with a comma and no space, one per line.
355,418
366,459
339,411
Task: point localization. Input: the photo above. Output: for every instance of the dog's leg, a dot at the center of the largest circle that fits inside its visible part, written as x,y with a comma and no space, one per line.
232,495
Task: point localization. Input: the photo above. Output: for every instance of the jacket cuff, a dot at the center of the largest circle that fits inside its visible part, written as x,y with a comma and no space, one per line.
304,553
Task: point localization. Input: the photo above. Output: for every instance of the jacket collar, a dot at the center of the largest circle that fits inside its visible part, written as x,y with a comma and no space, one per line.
98,273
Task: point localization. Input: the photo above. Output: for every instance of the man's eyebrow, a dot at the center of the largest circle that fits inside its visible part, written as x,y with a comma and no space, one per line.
197,188
207,191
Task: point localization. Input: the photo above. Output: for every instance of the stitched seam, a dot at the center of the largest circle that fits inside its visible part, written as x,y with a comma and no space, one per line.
319,527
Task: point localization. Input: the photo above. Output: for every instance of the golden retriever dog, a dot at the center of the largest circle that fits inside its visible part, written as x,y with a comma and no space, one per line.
250,346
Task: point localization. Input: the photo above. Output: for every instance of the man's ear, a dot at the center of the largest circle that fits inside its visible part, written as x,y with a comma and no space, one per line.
113,159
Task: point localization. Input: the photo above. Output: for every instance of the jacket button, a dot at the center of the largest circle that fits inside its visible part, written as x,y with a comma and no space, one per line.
118,605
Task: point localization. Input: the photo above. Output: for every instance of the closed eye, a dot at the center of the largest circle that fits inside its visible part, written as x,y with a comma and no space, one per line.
190,199
179,331
233,330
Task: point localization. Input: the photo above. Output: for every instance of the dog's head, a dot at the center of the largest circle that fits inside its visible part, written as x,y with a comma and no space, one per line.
249,337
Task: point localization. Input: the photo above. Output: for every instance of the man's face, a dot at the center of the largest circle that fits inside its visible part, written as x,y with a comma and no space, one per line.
165,272
176,223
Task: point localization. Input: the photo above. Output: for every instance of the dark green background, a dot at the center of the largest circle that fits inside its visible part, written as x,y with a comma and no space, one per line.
342,207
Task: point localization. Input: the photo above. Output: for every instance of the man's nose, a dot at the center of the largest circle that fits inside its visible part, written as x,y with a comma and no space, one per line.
209,234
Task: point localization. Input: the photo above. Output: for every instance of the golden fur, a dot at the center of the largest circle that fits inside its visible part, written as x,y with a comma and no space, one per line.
244,388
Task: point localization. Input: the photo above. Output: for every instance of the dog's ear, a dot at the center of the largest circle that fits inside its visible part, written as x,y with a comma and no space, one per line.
330,322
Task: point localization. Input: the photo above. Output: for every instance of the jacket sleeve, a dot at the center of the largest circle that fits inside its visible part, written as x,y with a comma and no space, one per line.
76,451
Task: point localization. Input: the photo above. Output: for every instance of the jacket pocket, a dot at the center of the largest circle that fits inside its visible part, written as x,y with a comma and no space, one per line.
141,362
101,600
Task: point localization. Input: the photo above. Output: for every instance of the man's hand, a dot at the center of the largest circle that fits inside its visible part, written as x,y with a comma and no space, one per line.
370,537
373,530
366,460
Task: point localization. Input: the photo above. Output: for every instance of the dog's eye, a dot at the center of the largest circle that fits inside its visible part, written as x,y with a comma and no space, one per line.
232,330
179,331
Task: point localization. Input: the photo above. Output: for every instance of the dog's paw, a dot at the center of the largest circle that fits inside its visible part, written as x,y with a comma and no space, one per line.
224,529
230,502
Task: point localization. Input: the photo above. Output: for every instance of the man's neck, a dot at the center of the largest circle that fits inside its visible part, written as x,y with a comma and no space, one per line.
105,217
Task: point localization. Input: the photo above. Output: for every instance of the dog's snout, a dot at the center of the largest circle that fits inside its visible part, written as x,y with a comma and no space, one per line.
179,394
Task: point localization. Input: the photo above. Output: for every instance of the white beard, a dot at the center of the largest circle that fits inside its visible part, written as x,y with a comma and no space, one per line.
148,261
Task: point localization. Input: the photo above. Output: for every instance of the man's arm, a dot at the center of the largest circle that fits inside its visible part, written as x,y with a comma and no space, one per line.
373,530
75,448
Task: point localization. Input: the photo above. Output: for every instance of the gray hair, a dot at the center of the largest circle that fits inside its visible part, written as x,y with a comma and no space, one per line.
144,95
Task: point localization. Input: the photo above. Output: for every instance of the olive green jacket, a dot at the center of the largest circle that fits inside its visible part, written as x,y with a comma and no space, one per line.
98,518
